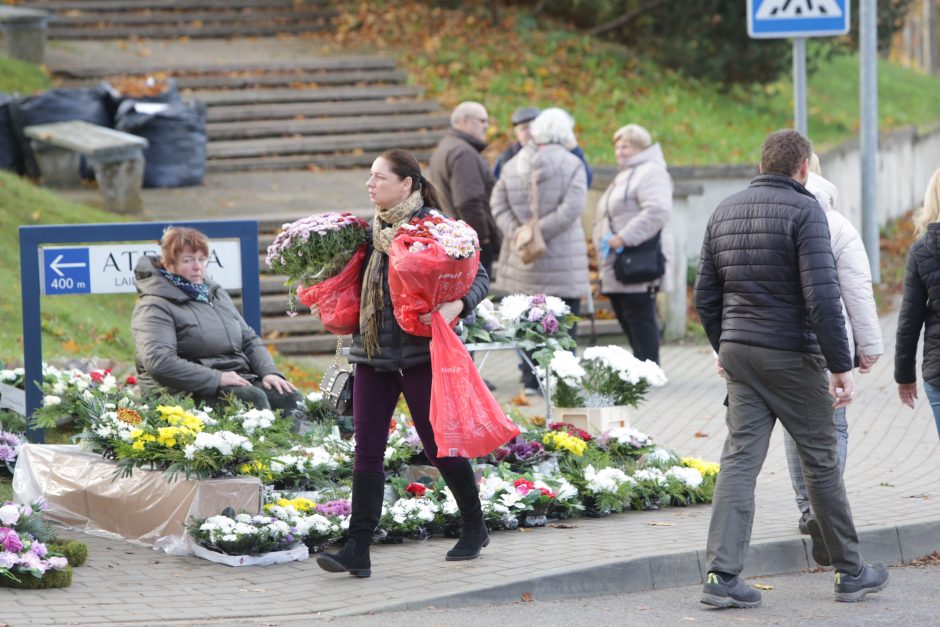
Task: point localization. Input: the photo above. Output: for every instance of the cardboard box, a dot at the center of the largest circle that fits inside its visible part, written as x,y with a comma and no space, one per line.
83,492
594,420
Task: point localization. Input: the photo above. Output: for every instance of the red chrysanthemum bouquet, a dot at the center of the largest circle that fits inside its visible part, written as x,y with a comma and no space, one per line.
432,260
323,255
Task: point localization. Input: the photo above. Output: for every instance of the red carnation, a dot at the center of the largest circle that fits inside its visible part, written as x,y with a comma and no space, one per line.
417,489
131,380
96,376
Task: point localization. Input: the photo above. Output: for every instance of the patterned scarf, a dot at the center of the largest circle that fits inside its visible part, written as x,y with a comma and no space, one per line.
372,309
195,291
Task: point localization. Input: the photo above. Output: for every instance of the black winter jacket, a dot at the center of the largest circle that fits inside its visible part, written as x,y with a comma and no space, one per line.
767,276
398,349
921,305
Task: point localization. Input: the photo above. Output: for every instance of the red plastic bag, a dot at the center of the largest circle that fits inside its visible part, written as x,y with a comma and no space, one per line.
466,418
337,298
421,280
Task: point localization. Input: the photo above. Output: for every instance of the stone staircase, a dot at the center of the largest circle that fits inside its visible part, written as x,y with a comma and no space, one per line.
171,19
328,112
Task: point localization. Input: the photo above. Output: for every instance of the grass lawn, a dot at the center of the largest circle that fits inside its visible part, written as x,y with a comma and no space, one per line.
20,77
6,489
458,55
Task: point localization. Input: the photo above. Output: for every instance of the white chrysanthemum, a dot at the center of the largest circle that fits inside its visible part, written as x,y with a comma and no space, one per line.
557,306
315,397
51,400
605,480
568,368
661,456
513,306
654,475
689,476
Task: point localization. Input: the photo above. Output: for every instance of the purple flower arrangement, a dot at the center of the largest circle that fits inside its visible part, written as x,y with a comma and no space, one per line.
21,553
9,448
519,453
341,507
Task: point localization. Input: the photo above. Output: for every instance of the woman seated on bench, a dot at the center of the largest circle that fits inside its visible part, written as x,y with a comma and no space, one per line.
189,336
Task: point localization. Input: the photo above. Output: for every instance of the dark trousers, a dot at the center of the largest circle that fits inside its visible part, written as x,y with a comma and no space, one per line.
765,383
375,394
528,377
487,257
636,314
257,396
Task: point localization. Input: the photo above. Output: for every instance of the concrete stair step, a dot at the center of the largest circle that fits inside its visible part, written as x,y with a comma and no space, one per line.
349,62
302,324
336,161
323,144
242,80
304,344
326,94
153,5
288,111
95,19
324,126
192,32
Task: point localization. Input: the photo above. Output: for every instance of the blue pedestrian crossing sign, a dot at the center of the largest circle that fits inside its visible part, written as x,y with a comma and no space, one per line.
65,271
779,19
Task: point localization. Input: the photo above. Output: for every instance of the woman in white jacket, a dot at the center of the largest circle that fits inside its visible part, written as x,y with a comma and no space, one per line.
862,327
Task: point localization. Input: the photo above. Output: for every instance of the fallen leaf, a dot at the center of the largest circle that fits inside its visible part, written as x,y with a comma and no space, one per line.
763,586
563,526
526,597
657,523
701,434
520,400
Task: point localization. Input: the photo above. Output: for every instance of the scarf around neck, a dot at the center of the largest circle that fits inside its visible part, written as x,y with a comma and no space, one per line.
372,309
195,291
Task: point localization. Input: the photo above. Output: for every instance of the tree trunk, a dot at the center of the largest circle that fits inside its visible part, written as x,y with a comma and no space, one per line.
930,37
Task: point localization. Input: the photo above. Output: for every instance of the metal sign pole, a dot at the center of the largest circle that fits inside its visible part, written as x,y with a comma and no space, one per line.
799,85
868,139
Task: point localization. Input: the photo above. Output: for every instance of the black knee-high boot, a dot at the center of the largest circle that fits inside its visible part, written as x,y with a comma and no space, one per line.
473,535
367,495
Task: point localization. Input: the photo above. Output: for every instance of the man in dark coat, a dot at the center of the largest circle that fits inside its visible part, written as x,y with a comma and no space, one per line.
463,177
768,297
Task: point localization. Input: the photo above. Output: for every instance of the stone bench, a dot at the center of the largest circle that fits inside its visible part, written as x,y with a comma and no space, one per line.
24,31
116,157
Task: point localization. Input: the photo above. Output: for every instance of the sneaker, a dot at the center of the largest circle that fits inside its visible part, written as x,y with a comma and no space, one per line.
802,523
527,391
732,593
873,578
819,550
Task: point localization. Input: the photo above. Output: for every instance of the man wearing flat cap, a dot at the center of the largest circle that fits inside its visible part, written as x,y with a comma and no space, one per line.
521,118
463,178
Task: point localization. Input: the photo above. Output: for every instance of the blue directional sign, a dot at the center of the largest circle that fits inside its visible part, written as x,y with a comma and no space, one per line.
777,19
65,271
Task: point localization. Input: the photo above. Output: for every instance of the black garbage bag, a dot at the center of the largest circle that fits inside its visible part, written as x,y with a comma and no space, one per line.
10,156
59,105
176,132
119,91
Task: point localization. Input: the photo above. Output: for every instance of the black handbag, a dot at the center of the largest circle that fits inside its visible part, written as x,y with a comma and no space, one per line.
642,263
337,386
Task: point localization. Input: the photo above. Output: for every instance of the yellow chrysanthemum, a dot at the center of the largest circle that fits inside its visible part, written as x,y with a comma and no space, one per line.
704,467
138,445
559,440
136,433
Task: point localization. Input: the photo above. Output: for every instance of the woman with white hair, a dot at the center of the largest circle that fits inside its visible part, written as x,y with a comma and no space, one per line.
636,207
544,170
921,305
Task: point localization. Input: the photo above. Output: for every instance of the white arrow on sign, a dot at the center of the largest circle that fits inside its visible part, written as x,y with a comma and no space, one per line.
56,264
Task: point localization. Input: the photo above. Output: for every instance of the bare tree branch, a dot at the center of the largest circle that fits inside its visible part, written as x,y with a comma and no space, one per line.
626,17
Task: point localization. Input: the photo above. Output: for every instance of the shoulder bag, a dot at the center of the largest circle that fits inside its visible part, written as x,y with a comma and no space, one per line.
337,385
642,263
529,243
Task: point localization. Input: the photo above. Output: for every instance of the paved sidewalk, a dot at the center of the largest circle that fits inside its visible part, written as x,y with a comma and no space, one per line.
893,479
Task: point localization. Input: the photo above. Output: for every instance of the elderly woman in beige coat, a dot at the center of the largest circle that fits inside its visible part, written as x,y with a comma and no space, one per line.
561,188
636,206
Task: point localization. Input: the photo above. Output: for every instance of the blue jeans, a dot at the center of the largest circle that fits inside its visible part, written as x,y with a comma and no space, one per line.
933,396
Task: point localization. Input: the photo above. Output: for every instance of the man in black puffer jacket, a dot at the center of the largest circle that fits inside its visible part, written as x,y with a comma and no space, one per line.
768,297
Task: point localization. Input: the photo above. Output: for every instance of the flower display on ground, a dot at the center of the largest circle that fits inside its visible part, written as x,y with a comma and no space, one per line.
23,549
10,444
243,534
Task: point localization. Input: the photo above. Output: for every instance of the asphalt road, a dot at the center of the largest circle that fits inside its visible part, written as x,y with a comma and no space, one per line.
910,599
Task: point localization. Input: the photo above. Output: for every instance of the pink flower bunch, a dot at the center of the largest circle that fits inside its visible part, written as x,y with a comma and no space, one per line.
456,237
317,247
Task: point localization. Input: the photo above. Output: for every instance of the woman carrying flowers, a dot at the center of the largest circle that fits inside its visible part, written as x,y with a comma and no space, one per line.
189,336
390,362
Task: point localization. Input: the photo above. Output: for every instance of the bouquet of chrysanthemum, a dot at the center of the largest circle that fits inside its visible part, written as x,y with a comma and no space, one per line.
541,324
407,518
483,325
605,490
243,534
23,551
432,260
67,394
604,376
323,254
625,443
10,444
